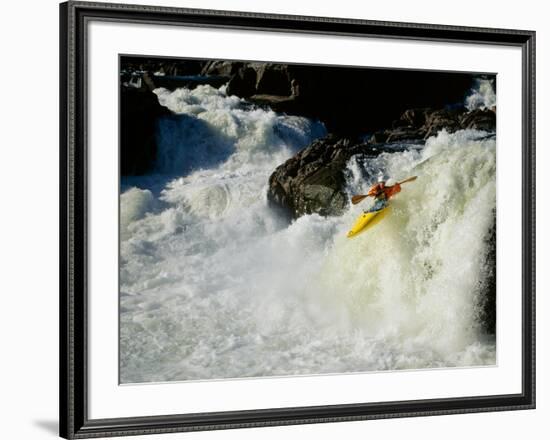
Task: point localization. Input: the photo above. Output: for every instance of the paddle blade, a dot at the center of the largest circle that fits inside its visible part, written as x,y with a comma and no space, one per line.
356,199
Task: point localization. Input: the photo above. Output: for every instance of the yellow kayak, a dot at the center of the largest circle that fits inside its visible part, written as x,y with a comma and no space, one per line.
368,220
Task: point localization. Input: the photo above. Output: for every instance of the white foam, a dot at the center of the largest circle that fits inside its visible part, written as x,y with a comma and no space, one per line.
482,95
212,128
134,203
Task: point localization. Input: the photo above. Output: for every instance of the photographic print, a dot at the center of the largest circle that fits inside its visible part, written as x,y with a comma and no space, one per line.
291,220
286,219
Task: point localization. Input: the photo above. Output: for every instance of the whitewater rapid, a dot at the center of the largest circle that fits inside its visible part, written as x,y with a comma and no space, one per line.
215,285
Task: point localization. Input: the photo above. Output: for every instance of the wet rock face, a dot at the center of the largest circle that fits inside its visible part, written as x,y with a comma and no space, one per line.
420,124
140,110
488,286
260,79
243,83
223,68
480,119
442,119
273,79
313,181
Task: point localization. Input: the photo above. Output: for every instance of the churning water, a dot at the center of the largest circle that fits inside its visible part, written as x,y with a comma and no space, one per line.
215,285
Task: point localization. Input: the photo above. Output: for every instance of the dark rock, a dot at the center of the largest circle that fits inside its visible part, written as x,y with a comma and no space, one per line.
405,133
273,79
243,83
479,120
410,126
417,124
415,117
180,68
488,286
380,137
262,79
313,181
139,112
148,82
448,119
222,68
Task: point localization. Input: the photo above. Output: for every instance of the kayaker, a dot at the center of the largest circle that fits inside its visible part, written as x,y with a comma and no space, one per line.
382,192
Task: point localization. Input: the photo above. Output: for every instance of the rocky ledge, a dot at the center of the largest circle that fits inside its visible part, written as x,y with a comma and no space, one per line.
421,123
139,113
313,180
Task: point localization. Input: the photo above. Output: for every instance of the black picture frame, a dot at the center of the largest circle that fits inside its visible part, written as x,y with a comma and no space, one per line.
74,420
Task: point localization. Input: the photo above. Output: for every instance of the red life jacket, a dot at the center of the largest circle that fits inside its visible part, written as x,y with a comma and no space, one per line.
388,191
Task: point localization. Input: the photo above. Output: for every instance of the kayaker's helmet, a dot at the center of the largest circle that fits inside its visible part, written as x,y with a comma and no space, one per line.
390,182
